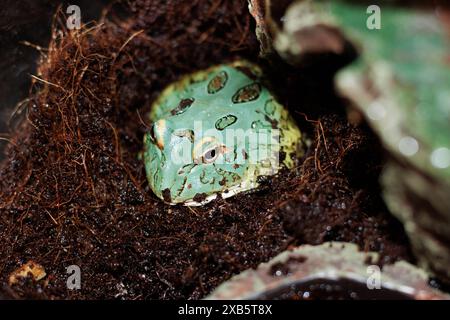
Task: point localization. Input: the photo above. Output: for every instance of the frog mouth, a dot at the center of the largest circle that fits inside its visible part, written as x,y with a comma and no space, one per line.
232,191
245,185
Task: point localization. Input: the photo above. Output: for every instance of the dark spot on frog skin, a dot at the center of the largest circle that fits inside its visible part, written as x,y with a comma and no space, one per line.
180,190
236,166
218,82
273,122
223,181
224,122
166,195
244,154
260,125
189,186
182,106
248,93
200,197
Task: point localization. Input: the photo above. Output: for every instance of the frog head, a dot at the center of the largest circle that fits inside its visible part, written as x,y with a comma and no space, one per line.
215,132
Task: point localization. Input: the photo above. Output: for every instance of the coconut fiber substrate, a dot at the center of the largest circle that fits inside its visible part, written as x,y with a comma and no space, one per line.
74,192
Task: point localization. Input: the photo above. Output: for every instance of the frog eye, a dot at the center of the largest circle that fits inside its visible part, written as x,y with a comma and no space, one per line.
207,150
211,155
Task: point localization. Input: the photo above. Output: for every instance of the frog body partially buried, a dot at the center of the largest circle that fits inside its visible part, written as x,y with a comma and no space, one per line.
215,132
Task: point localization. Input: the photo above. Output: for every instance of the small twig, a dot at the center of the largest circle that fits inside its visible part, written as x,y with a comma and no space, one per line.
142,120
34,46
47,82
116,138
9,141
51,217
125,44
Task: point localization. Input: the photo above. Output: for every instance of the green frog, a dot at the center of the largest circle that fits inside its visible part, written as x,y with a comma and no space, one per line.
215,133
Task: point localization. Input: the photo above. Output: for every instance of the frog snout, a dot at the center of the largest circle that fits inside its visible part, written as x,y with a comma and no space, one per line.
157,132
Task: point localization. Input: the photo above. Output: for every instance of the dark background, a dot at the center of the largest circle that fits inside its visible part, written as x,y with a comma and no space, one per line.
27,20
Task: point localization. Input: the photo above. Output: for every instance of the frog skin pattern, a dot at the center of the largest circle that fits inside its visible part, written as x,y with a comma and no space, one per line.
194,113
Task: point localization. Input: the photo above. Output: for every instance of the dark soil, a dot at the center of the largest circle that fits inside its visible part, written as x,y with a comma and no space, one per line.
326,289
72,190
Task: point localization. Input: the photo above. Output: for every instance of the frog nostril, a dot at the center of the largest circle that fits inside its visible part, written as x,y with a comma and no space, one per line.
189,134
